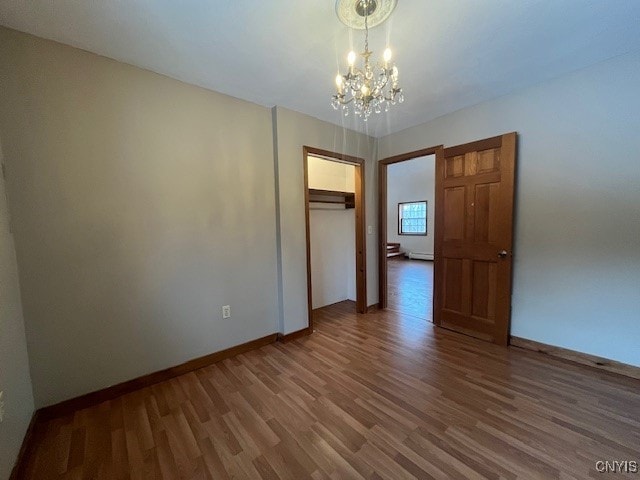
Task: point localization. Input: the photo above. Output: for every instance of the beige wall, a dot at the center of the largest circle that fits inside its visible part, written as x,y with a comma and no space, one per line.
141,205
15,381
333,254
293,131
577,229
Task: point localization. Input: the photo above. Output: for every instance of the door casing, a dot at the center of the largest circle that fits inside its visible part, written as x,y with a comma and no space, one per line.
382,212
361,248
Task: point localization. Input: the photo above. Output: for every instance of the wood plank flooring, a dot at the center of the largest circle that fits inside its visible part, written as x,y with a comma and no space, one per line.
410,287
378,396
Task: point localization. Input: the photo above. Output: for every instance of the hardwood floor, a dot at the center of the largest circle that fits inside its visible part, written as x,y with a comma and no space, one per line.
410,287
383,395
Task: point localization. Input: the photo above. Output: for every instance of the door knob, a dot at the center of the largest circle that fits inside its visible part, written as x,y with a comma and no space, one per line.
502,254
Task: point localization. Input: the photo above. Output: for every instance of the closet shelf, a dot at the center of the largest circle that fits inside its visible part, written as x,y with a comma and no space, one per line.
348,199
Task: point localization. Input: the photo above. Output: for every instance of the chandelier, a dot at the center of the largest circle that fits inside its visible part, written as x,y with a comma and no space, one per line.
370,88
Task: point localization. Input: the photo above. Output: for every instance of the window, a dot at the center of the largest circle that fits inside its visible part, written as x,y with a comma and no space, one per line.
412,218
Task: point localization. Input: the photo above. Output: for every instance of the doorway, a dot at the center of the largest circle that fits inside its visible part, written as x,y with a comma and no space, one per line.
335,242
473,248
407,233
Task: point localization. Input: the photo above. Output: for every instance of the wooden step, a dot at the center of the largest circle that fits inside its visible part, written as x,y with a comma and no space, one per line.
393,248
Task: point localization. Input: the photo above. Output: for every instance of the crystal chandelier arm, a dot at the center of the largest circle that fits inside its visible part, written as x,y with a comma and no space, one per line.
354,74
394,93
342,100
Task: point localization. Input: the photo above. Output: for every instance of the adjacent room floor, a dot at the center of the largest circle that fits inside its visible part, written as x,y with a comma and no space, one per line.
383,395
410,287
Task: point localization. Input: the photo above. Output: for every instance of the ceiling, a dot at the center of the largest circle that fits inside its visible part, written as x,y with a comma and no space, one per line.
450,53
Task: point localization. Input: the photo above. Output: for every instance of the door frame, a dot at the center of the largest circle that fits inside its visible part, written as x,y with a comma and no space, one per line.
438,151
360,229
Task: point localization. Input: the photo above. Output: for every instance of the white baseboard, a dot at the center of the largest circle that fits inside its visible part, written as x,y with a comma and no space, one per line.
420,256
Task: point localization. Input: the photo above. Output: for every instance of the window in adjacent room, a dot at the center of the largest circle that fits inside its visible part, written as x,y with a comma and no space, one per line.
412,218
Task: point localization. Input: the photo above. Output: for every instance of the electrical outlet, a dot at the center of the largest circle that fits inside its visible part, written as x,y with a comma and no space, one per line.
370,229
1,406
226,311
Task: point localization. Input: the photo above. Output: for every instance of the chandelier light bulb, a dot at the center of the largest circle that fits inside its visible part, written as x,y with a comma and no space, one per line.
351,58
387,55
339,82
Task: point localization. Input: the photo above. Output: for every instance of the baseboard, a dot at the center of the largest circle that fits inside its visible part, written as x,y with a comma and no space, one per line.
19,470
420,256
350,302
578,357
373,308
294,335
69,406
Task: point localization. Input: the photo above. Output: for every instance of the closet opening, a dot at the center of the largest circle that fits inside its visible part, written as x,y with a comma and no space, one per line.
335,230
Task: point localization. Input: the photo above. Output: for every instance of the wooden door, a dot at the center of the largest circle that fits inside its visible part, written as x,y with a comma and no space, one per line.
474,237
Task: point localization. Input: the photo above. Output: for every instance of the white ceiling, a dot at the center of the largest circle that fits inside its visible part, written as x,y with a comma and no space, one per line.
450,53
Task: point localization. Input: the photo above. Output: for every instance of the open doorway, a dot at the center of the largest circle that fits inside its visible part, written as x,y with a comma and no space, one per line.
407,233
334,207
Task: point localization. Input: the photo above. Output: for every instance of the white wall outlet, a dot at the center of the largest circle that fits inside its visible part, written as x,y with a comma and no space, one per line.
226,311
370,229
1,406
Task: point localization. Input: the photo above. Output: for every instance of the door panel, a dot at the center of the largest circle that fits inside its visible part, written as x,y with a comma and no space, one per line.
483,295
454,217
489,160
453,284
485,213
475,188
455,166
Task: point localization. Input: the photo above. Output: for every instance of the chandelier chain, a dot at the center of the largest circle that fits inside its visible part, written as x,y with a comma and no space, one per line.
366,25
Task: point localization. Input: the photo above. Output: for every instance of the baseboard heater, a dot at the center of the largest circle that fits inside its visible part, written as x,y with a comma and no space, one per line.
420,256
